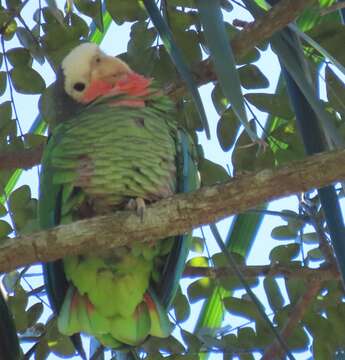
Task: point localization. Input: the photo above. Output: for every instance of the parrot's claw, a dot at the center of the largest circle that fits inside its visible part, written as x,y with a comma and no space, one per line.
137,204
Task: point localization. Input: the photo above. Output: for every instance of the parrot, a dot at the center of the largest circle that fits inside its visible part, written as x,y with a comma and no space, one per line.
115,145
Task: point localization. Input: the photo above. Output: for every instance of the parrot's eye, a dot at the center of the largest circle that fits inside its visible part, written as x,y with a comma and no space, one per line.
79,86
98,59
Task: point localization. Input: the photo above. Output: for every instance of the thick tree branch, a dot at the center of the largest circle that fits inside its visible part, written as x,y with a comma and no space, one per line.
174,215
261,29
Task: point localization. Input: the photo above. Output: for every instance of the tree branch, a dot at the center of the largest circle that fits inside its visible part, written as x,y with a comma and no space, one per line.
175,215
288,271
297,313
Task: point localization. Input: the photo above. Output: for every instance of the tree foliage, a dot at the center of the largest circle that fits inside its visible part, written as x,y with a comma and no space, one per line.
301,285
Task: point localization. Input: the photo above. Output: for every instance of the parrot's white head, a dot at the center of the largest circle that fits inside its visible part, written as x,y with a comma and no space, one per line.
88,63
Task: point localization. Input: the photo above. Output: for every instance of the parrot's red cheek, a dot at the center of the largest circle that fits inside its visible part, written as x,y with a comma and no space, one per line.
96,89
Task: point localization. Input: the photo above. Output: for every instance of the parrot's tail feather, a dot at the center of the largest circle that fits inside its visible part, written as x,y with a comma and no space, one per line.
78,314
160,324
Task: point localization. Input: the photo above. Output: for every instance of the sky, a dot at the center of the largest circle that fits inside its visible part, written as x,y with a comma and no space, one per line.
268,63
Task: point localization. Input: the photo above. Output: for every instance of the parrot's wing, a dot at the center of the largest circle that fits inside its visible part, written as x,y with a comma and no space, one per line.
9,344
49,213
187,180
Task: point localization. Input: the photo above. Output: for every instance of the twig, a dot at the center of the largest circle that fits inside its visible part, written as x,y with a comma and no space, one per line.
274,351
332,8
290,271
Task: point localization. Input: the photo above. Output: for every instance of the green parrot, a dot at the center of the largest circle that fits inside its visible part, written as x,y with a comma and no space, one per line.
116,145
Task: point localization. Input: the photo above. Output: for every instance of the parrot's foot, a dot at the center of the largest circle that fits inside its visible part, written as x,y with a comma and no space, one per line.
137,204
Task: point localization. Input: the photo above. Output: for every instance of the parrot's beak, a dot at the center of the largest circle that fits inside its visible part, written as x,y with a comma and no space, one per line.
105,72
108,69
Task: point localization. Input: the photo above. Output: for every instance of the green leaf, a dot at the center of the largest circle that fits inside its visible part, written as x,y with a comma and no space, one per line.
13,4
3,210
197,245
271,103
242,307
198,261
310,238
3,82
227,129
315,255
283,232
10,281
212,173
273,293
193,343
26,80
5,228
244,155
30,43
220,102
5,111
124,10
34,313
18,304
200,289
19,56
93,9
252,77
284,253
181,306
224,62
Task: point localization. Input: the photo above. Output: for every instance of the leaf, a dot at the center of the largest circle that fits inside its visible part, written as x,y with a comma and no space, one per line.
310,238
200,289
212,173
252,77
242,307
19,56
3,82
227,129
26,80
220,102
284,253
5,111
5,229
198,261
20,197
283,232
93,9
3,210
193,343
197,245
223,59
273,293
271,103
181,306
30,43
34,313
124,10
10,280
